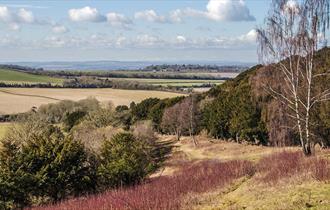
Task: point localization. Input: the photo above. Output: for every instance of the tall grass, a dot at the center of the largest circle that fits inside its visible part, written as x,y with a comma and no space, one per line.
164,192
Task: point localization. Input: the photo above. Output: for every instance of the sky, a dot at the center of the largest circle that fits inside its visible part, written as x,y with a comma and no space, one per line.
130,30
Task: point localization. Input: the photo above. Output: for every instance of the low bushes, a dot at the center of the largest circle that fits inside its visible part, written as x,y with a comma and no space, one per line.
168,192
45,167
164,192
286,164
124,160
40,164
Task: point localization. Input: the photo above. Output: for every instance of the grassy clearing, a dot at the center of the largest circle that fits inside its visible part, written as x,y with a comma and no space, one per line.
10,76
15,100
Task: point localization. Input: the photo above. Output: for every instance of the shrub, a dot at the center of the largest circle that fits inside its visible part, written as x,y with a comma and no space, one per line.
165,192
121,108
101,117
57,112
142,109
72,119
287,164
124,160
46,166
143,131
91,136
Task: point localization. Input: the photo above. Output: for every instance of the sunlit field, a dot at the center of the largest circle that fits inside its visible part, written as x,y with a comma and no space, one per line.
16,100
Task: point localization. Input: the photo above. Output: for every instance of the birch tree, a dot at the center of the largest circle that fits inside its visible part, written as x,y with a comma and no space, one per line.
292,34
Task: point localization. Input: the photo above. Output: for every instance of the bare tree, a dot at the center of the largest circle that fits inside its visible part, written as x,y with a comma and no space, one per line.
171,121
293,33
182,118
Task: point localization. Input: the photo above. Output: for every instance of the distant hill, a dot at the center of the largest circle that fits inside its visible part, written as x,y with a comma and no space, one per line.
17,76
195,68
117,65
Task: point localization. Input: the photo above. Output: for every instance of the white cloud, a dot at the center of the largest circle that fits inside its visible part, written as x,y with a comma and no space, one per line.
142,41
59,29
85,14
88,14
250,37
121,41
14,18
118,20
181,39
178,14
5,15
14,26
9,41
151,16
147,40
25,16
218,10
228,10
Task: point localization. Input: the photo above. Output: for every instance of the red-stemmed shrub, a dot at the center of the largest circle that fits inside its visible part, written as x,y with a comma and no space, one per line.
164,192
286,164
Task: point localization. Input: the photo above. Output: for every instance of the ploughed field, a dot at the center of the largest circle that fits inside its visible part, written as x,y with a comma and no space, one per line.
16,100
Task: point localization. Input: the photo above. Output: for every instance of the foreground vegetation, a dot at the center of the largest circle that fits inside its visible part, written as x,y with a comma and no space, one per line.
45,158
192,181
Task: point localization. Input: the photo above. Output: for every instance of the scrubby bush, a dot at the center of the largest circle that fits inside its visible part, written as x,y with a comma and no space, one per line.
143,131
166,192
124,160
43,166
101,117
293,164
141,110
72,119
57,112
121,108
91,136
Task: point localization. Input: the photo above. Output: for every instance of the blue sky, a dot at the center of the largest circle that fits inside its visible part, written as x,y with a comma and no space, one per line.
127,30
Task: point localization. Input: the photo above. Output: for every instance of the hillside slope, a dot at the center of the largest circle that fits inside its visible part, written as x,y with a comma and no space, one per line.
242,109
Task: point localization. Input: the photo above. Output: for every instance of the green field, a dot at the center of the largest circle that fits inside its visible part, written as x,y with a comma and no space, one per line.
10,76
174,82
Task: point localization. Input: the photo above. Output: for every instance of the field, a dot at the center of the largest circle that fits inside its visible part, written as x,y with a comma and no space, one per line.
223,175
15,100
174,82
215,75
10,76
